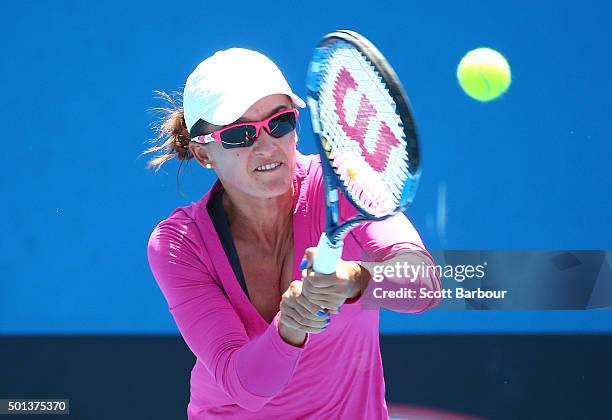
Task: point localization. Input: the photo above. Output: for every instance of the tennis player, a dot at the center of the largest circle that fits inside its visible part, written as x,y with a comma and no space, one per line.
272,338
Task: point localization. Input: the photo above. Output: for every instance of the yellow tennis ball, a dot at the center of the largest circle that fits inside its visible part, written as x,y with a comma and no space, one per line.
484,74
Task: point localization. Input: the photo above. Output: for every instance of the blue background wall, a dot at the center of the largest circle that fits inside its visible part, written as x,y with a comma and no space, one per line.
529,171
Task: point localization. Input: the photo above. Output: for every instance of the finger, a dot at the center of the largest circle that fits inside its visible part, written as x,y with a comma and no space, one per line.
291,323
310,253
309,307
333,294
326,304
304,312
315,298
308,292
308,288
318,311
308,258
313,284
305,324
314,323
321,281
338,287
298,311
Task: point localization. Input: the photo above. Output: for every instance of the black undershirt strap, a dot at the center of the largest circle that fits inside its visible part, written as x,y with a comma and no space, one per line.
219,220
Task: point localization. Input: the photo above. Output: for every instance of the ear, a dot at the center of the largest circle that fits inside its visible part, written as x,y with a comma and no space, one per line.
200,154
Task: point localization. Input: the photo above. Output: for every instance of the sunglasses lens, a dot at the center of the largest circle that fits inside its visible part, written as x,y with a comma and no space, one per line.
241,136
282,125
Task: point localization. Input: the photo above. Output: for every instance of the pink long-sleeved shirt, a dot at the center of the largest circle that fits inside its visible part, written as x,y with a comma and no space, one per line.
244,369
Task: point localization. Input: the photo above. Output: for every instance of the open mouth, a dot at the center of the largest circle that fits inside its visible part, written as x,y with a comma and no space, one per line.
268,167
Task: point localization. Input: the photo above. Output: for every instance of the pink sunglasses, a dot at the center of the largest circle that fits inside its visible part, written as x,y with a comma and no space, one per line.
244,134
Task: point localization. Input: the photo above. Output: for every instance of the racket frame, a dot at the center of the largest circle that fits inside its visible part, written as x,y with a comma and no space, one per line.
331,241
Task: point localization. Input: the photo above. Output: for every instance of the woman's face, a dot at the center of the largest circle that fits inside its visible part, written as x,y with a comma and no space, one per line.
241,168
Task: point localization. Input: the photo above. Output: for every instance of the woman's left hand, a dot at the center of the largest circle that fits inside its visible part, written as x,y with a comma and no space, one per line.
329,291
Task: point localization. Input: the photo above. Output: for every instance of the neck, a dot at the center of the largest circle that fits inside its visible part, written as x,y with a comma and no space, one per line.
265,221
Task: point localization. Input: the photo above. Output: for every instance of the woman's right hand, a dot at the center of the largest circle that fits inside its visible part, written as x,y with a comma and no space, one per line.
298,316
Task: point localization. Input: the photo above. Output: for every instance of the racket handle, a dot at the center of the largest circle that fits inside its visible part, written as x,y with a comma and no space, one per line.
328,255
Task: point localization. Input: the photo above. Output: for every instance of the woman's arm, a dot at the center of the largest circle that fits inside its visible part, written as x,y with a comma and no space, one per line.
250,372
392,262
392,239
395,244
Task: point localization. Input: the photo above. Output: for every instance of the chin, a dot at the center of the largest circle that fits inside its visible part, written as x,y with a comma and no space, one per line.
274,186
275,191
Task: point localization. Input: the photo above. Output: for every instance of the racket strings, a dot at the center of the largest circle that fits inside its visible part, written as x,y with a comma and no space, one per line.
365,142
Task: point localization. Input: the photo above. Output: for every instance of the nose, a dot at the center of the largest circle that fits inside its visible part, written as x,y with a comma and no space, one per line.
264,143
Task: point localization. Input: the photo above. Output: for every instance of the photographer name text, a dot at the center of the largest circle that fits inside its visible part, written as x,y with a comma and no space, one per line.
459,293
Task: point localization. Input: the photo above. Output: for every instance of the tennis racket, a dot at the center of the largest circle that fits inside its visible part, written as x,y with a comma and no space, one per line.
367,137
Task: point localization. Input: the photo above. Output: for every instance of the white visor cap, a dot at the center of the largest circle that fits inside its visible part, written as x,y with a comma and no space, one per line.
222,87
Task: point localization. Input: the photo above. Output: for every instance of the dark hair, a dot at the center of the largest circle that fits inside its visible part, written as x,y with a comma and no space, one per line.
172,139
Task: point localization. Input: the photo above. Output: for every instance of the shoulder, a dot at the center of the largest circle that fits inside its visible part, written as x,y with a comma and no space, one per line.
178,236
186,223
181,221
179,261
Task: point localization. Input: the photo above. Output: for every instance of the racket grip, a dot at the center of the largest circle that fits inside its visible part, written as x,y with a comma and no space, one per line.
328,255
